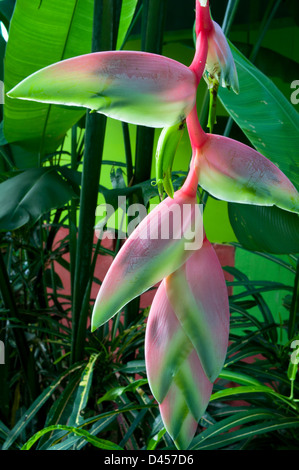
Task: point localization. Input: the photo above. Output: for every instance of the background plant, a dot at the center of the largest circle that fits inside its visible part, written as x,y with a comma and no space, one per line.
52,160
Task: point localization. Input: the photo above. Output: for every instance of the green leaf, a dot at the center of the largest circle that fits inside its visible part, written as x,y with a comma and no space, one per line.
273,64
245,389
61,408
99,426
26,197
66,444
266,117
4,431
128,8
40,34
100,443
116,392
34,408
249,432
133,367
154,441
82,395
265,229
238,377
258,414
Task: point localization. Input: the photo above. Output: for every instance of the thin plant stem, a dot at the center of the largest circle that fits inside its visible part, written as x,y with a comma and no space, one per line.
128,152
153,17
103,39
294,305
229,15
73,211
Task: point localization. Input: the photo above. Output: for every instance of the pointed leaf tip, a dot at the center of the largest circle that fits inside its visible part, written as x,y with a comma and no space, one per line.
174,371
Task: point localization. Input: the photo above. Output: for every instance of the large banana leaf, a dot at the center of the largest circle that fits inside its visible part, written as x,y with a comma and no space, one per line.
26,197
266,229
42,33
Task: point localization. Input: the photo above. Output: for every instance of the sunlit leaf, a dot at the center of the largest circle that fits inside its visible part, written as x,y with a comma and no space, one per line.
40,34
128,8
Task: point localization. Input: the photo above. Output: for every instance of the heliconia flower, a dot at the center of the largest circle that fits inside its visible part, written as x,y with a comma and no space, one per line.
186,341
234,172
158,246
135,87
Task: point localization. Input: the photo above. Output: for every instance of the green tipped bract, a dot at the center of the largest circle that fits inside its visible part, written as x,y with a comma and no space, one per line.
135,87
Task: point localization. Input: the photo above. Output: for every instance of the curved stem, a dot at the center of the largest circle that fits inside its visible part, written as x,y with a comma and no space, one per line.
203,26
196,133
294,305
191,183
93,150
203,21
200,57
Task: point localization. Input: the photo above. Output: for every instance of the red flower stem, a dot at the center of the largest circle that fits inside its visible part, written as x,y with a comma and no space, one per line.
200,57
203,20
191,183
203,25
197,138
196,133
